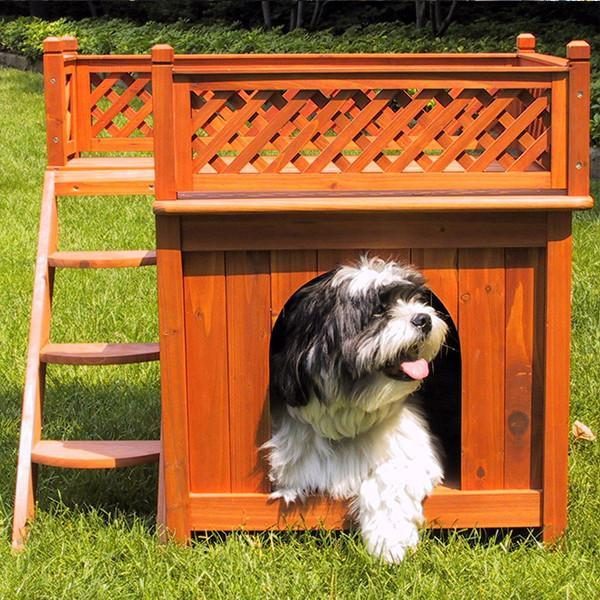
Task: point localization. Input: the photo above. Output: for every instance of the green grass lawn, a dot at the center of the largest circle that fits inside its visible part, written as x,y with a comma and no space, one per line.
95,539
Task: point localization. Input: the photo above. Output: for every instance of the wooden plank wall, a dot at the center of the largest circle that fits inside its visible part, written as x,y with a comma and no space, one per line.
233,299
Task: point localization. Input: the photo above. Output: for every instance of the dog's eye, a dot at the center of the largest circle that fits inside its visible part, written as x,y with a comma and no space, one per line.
379,310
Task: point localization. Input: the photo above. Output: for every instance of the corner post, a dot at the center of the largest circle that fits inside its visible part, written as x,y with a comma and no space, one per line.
578,156
525,43
173,505
55,93
164,134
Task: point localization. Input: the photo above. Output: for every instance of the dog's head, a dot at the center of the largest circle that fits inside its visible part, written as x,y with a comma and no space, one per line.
365,333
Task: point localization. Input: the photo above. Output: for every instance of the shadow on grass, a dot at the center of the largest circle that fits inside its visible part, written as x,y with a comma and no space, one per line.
322,538
112,409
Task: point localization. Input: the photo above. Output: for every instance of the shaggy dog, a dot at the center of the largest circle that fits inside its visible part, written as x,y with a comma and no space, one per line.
348,353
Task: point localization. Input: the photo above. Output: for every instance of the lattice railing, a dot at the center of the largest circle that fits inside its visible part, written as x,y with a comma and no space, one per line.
369,130
120,105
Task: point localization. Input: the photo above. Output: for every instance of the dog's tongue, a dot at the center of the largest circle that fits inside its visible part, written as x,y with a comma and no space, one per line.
415,369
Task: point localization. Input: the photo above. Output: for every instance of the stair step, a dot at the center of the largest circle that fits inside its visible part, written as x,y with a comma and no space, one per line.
102,259
95,454
99,354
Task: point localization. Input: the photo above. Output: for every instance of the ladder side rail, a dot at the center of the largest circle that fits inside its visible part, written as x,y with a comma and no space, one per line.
39,332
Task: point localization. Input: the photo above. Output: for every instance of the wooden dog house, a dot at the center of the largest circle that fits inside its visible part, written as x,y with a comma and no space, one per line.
272,169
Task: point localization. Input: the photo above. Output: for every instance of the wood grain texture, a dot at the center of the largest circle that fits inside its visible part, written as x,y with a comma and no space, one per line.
207,373
290,270
173,370
558,132
446,507
249,328
102,259
104,182
377,181
578,159
35,373
557,369
331,259
164,133
521,305
349,230
95,454
99,353
378,201
482,330
56,107
539,372
440,268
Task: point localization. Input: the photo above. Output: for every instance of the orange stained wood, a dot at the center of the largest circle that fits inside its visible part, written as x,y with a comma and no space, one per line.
98,259
578,159
557,369
98,353
95,454
446,507
440,268
164,131
558,133
539,372
481,290
208,372
361,201
249,328
55,94
521,307
33,392
174,418
331,259
482,147
349,230
290,270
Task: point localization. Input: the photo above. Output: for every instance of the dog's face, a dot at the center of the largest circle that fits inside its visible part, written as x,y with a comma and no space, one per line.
363,333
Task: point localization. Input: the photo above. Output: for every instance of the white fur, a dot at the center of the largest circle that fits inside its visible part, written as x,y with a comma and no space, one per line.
386,472
369,272
371,447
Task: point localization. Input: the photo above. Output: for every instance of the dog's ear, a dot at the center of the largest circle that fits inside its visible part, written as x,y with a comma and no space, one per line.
292,382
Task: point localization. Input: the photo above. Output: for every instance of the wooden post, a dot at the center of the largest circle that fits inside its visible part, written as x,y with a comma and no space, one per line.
55,94
525,43
578,152
558,299
174,428
556,406
163,106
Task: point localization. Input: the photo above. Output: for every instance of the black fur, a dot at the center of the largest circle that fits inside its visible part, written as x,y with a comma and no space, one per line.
318,331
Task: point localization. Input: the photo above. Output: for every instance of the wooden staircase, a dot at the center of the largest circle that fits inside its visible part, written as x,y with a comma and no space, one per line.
78,454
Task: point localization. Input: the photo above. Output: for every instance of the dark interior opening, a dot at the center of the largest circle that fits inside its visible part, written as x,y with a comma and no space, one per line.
441,393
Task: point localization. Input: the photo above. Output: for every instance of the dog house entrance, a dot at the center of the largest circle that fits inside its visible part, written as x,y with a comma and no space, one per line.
439,394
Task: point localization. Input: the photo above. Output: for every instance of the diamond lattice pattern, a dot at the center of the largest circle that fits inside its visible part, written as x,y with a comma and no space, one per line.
359,131
121,105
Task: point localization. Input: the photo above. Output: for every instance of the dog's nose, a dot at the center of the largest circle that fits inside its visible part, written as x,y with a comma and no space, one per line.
422,321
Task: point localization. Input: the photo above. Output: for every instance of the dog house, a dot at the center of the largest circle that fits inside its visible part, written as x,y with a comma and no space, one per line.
273,169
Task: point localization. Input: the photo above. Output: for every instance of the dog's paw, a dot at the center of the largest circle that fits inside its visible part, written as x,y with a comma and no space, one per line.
288,495
392,543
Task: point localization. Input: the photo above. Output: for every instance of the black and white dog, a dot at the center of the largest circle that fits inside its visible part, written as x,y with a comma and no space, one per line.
348,352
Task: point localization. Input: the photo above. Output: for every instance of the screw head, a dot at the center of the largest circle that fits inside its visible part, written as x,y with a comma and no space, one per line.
580,94
53,80
579,165
55,139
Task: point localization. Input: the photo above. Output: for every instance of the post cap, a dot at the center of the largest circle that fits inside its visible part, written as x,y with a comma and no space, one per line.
162,53
67,43
578,50
526,42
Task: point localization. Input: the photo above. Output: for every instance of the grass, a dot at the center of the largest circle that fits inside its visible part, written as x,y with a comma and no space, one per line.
95,538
